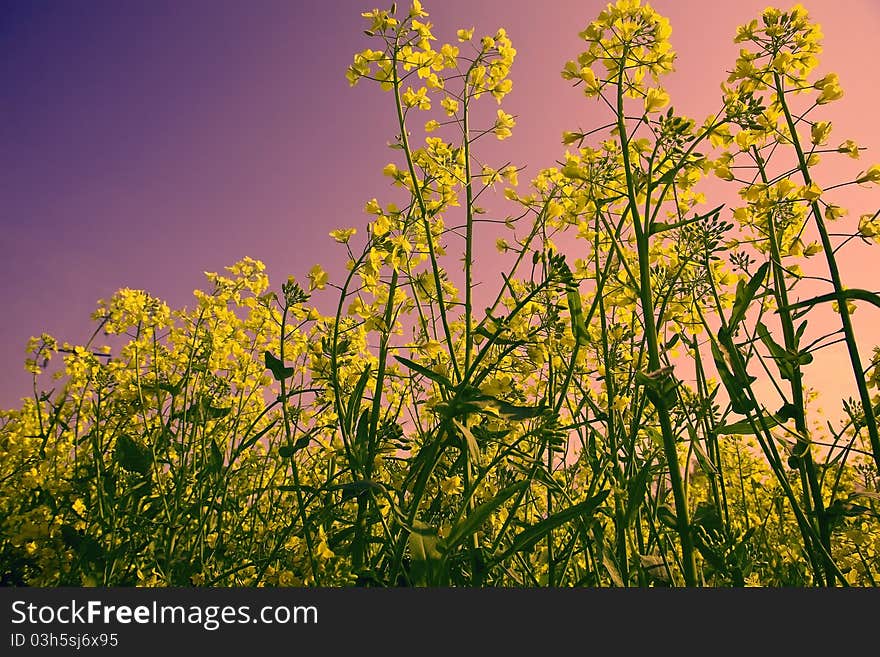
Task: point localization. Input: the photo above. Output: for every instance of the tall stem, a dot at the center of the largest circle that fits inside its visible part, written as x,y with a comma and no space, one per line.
806,465
833,270
647,303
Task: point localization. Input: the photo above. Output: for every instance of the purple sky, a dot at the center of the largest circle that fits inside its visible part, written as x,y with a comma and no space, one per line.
144,142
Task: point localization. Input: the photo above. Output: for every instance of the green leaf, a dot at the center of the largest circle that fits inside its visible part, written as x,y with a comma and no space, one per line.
661,386
424,543
667,516
475,519
739,400
132,456
530,536
289,488
274,365
473,447
659,226
859,295
363,428
636,488
510,411
362,437
744,427
576,311
354,402
784,360
424,371
745,293
250,441
357,488
215,459
286,451
201,411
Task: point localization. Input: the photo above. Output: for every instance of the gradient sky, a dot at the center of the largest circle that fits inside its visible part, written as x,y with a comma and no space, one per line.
145,142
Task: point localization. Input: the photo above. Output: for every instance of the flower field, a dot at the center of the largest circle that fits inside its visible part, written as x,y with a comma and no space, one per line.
631,401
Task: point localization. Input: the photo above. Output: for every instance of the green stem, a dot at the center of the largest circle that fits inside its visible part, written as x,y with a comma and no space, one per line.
429,238
646,299
293,466
833,270
806,465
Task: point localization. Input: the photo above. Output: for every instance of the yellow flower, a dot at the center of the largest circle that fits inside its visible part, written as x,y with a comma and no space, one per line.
830,88
834,212
812,192
372,206
380,20
431,126
655,99
417,99
465,35
450,105
451,485
342,235
850,306
850,148
381,226
869,225
871,175
723,171
417,11
509,173
819,132
503,124
317,278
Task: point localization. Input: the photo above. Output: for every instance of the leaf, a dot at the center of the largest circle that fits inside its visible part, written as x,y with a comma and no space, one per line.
473,447
363,429
745,293
859,295
362,437
475,519
354,402
744,427
784,360
530,536
660,386
276,366
215,460
424,543
165,386
286,451
357,488
576,311
248,442
215,413
654,567
612,570
659,226
201,411
292,489
424,371
510,411
667,516
132,456
636,491
739,401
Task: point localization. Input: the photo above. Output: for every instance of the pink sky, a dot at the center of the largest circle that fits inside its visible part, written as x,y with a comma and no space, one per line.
146,142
